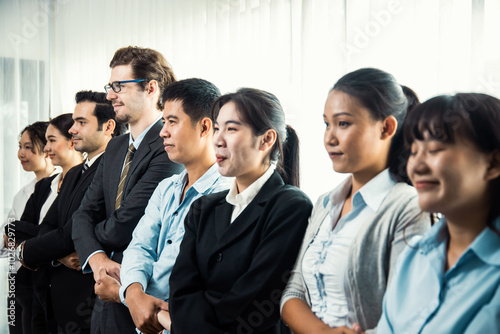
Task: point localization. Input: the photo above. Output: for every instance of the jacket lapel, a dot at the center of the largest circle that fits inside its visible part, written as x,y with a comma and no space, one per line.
67,195
143,150
247,218
222,217
80,180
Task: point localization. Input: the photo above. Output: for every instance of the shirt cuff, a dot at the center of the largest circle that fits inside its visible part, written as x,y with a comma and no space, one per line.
86,269
121,292
124,287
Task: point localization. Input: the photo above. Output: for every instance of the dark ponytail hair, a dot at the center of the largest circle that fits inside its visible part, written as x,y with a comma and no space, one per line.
36,132
290,161
379,92
262,111
63,123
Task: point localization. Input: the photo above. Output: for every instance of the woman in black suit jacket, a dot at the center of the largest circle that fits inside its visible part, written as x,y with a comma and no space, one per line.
240,245
60,149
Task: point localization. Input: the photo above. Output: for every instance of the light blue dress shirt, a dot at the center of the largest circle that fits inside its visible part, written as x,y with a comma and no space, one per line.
325,262
423,298
156,240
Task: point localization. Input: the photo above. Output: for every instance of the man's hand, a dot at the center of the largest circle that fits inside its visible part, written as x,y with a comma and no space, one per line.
144,309
164,319
71,261
101,260
107,288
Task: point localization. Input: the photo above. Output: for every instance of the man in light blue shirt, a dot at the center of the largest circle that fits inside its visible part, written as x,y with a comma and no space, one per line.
149,258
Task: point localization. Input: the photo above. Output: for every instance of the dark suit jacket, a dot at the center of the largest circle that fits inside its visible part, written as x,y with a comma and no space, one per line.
71,291
54,238
228,278
96,224
27,227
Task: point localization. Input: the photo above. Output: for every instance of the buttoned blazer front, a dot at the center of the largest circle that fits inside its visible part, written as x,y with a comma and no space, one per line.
96,224
71,290
225,272
54,237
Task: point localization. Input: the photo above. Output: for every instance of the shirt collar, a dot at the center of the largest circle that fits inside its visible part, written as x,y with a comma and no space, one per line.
374,192
245,197
57,170
437,234
339,194
137,142
205,183
91,161
485,246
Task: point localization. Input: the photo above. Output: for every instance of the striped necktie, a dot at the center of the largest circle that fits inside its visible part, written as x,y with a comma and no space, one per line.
85,167
128,161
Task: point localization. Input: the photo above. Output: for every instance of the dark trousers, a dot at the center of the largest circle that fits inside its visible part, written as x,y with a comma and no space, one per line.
109,318
23,302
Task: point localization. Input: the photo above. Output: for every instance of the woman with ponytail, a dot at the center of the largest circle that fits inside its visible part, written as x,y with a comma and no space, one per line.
240,245
356,231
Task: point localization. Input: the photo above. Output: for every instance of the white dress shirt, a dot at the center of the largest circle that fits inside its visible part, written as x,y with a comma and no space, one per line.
241,200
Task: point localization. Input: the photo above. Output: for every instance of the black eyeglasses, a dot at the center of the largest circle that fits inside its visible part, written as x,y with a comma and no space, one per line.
117,85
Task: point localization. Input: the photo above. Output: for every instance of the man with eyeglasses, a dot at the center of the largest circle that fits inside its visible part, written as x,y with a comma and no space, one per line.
128,173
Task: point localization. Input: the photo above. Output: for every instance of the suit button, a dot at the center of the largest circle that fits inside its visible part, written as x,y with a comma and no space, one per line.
169,241
176,213
219,257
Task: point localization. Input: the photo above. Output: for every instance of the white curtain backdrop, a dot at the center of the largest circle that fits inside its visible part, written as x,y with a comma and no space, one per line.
296,49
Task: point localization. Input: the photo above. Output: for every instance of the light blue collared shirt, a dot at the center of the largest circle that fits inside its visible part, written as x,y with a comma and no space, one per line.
423,298
326,259
156,240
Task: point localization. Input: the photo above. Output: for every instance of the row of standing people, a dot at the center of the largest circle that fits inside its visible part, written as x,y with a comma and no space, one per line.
198,262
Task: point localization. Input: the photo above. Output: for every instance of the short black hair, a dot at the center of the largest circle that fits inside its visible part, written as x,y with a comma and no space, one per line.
197,97
103,110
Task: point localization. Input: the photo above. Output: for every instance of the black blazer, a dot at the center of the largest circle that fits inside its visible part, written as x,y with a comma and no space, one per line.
71,291
27,227
228,278
54,238
96,224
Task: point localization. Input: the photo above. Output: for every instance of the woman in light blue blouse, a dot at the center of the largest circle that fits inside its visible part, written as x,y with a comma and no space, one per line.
357,230
449,282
